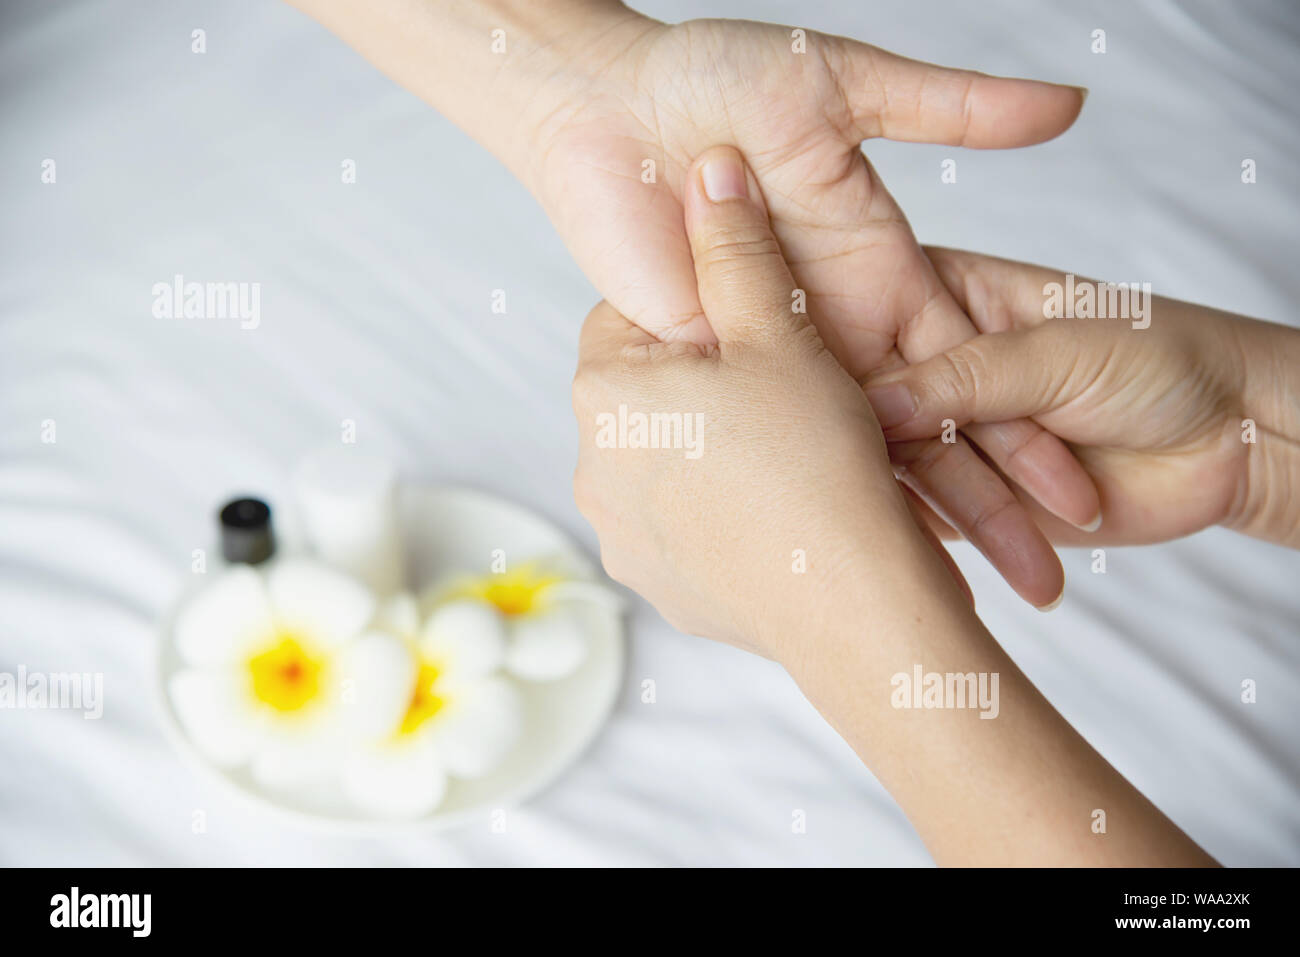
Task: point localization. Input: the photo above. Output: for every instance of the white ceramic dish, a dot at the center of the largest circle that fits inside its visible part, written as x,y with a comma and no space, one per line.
448,531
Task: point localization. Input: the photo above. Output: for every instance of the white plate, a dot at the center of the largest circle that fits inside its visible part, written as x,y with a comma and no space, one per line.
449,531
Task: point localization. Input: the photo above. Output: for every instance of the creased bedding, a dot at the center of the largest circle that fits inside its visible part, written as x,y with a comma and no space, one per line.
376,307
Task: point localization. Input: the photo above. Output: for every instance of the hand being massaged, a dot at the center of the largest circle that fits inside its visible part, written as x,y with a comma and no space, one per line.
600,110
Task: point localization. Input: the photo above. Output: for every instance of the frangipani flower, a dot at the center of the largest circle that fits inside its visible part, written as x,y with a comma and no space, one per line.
271,662
461,716
296,673
465,713
541,612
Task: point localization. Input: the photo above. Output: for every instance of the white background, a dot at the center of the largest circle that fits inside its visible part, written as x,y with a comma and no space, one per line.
375,307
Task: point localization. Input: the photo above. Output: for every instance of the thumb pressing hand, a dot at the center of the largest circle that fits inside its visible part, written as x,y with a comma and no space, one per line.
745,285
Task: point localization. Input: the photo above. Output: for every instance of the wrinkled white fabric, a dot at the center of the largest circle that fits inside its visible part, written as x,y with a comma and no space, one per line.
376,309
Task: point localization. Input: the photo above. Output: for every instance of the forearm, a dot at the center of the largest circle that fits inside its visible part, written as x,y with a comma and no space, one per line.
1017,786
498,87
1268,506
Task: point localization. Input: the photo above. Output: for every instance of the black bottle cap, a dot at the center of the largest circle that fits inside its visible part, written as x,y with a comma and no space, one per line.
246,531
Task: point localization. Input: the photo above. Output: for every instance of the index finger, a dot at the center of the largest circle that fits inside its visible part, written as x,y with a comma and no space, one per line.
606,332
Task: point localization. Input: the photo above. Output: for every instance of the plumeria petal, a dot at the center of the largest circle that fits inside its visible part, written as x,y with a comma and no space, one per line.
214,709
466,637
548,645
398,779
218,624
480,725
576,589
375,677
326,606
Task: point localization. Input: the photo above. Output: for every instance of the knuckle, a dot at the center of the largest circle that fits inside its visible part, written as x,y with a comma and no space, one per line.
635,356
967,81
738,242
932,458
635,361
805,337
965,373
990,510
678,349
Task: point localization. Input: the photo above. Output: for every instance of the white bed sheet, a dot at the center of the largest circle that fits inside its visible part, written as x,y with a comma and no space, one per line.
375,308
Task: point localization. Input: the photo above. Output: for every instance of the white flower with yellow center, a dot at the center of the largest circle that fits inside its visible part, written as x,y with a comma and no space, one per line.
461,715
294,674
541,609
464,714
275,667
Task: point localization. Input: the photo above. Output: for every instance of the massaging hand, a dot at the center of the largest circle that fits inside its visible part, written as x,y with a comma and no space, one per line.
790,460
1156,415
577,99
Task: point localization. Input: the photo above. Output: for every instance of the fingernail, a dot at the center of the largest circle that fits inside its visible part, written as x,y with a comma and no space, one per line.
1053,605
1091,526
723,175
1083,94
893,403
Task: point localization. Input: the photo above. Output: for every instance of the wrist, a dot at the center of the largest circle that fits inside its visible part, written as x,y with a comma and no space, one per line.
881,588
568,71
524,68
904,614
495,68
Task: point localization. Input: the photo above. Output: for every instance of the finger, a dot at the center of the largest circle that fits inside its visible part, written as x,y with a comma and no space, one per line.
635,252
1032,456
902,99
941,529
997,294
1043,465
991,378
938,527
744,283
925,517
934,524
606,333
974,500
